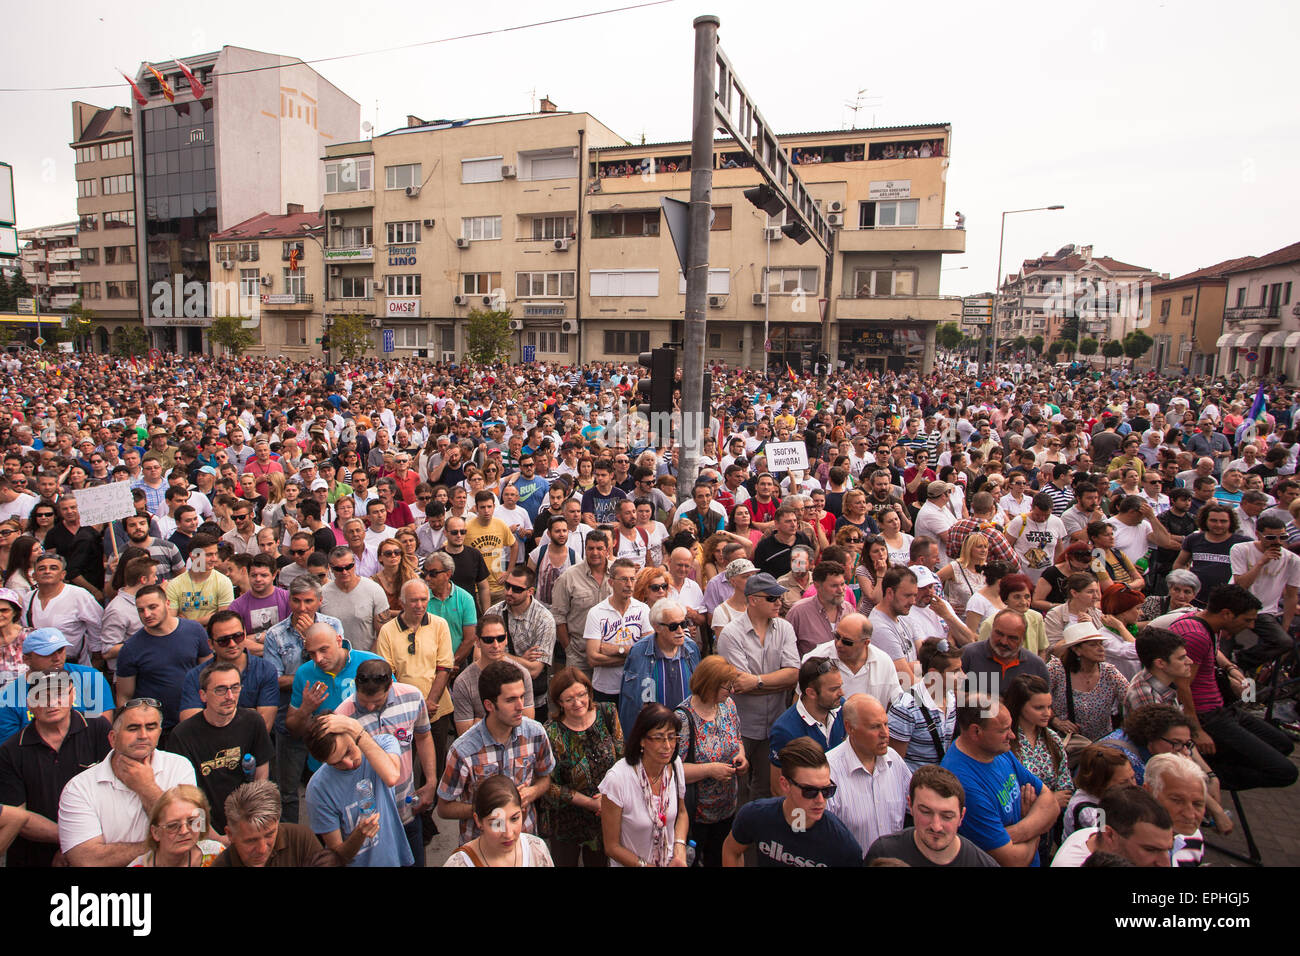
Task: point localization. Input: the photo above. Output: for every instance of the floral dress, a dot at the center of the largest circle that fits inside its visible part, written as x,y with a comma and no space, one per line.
12,665
1092,710
715,741
582,758
1038,759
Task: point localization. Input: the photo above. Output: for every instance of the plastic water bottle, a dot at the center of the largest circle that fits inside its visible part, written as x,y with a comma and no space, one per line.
366,797
412,801
249,763
690,852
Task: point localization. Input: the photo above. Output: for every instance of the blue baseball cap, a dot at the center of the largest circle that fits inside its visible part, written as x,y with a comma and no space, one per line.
45,641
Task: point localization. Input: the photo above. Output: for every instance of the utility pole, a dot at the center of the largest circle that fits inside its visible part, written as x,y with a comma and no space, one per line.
697,262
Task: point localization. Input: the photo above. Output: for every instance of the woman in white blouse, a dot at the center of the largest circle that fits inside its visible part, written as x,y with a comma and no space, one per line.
642,814
499,814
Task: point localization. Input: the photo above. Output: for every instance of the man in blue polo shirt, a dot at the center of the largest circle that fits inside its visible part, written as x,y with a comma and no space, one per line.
324,680
45,652
1007,807
259,684
815,714
532,487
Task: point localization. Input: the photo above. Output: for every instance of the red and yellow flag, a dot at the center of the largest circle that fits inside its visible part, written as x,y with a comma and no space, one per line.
293,259
166,88
793,377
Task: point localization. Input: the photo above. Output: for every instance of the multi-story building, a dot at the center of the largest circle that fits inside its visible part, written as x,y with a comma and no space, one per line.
1104,294
252,142
1186,314
49,256
557,218
1261,320
105,171
270,272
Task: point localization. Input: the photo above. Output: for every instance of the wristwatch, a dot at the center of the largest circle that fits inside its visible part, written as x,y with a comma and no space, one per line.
760,683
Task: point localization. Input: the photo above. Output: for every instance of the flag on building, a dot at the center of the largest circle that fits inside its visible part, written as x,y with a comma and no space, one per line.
162,81
135,91
197,88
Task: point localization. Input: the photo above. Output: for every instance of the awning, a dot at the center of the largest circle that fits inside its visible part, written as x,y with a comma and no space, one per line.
1273,340
1292,340
1248,340
1225,340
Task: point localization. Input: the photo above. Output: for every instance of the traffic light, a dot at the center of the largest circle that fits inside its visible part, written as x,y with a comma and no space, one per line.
766,199
325,341
657,390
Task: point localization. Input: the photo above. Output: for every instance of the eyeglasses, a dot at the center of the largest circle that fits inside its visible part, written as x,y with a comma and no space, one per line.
299,551
461,531
344,569
1187,745
846,641
810,793
194,823
674,625
227,691
227,640
384,554
143,702
662,739
517,589
659,587
491,638
770,598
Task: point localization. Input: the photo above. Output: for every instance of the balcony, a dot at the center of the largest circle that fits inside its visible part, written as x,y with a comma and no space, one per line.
65,254
65,277
888,308
903,239
287,301
1253,318
64,300
351,199
33,255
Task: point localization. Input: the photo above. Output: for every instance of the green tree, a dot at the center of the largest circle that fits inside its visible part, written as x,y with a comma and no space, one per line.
1020,343
6,297
1113,348
1036,343
130,340
6,334
1070,328
18,288
1055,348
949,336
1137,343
81,321
487,336
349,337
1089,346
228,331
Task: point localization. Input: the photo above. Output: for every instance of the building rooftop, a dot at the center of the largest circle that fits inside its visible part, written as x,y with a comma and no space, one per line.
852,133
1216,271
268,226
1280,257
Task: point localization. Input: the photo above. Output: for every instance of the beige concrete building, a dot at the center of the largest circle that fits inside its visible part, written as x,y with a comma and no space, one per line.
50,261
557,218
108,281
1261,317
1186,315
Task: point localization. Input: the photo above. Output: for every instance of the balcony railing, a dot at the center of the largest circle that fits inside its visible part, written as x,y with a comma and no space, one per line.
1251,312
287,298
63,300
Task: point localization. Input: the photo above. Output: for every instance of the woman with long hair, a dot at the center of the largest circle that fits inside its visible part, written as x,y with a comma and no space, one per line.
1038,746
651,586
11,530
963,577
41,519
898,543
642,817
502,842
742,525
869,575
395,569
1100,767
585,480
23,555
987,601
1050,589
1083,597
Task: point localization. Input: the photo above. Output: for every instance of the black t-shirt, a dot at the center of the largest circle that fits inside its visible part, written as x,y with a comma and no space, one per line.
773,557
902,846
470,570
1210,560
828,842
323,540
217,754
1055,579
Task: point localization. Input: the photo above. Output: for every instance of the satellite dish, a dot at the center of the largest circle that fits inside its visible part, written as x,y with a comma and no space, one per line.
366,127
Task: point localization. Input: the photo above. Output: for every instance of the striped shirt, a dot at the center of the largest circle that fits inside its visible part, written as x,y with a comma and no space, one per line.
1062,498
871,803
911,717
403,715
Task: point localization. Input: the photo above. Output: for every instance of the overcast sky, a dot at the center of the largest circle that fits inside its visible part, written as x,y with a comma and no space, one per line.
1167,128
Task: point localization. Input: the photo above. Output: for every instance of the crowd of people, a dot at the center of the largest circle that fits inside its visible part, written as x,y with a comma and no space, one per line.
992,623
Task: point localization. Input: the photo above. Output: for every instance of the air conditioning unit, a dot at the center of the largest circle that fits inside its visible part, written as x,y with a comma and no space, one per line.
336,221
462,243
835,206
717,301
569,326
509,172
561,245
461,300
336,271
835,219
266,280
516,325
448,358
429,223
760,298
412,191
227,264
487,300
376,323
773,233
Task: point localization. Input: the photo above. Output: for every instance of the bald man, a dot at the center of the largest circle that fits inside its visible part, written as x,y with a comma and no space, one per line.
866,669
872,778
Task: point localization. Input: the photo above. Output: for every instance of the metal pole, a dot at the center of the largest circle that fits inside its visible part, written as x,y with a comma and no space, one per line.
767,306
697,254
997,288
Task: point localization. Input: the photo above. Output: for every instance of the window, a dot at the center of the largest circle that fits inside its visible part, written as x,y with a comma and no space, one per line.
627,343
86,154
120,290
121,219
401,232
899,212
551,342
477,228
114,150
249,252
1187,305
561,163
402,285
354,287
480,283
226,251
295,332
551,227
349,175
719,282
411,336
553,285
1286,294
1241,297
640,282
608,225
401,177
872,282
295,281
351,237
89,222
1165,306
89,257
88,290
448,334
721,219
119,255
791,281
248,281
288,247
87,188
485,169
115,185
715,340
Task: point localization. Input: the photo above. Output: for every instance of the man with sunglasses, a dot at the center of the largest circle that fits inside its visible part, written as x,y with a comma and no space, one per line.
815,713
795,829
356,601
216,739
530,627
259,686
1272,573
659,666
471,572
493,642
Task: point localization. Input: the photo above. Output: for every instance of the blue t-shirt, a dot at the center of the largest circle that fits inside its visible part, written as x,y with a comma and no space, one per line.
93,697
259,685
334,804
339,686
532,494
791,725
602,506
992,796
828,842
159,664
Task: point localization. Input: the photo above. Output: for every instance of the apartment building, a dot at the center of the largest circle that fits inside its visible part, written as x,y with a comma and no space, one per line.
249,144
50,257
107,279
1186,315
1261,317
555,217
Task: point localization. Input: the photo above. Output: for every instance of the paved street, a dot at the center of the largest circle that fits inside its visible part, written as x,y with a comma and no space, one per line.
1274,817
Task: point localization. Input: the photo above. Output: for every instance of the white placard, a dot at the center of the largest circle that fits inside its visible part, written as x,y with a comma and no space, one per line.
786,456
105,502
889,189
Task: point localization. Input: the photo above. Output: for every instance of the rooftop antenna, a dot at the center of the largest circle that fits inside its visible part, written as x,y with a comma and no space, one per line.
859,102
532,100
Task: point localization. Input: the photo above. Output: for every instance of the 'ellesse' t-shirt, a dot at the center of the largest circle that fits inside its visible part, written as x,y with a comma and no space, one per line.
828,842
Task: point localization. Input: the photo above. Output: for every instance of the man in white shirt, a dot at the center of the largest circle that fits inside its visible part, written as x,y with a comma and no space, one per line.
1271,573
1137,828
515,517
872,778
866,669
934,519
104,811
377,530
14,504
613,626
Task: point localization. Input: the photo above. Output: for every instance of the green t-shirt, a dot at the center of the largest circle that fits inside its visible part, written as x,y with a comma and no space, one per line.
458,611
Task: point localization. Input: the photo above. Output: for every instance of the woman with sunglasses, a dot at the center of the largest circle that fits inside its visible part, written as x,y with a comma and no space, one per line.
11,529
178,831
98,471
499,815
713,754
587,741
12,634
1050,589
394,571
652,585
642,817
41,520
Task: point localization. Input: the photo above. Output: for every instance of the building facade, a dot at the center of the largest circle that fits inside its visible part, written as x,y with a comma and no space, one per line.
555,217
50,263
1185,318
251,143
1261,317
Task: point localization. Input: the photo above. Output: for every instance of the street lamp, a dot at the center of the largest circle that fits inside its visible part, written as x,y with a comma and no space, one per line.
997,286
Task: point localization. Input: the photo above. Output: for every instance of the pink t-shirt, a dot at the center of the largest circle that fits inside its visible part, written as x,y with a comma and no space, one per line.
1201,648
